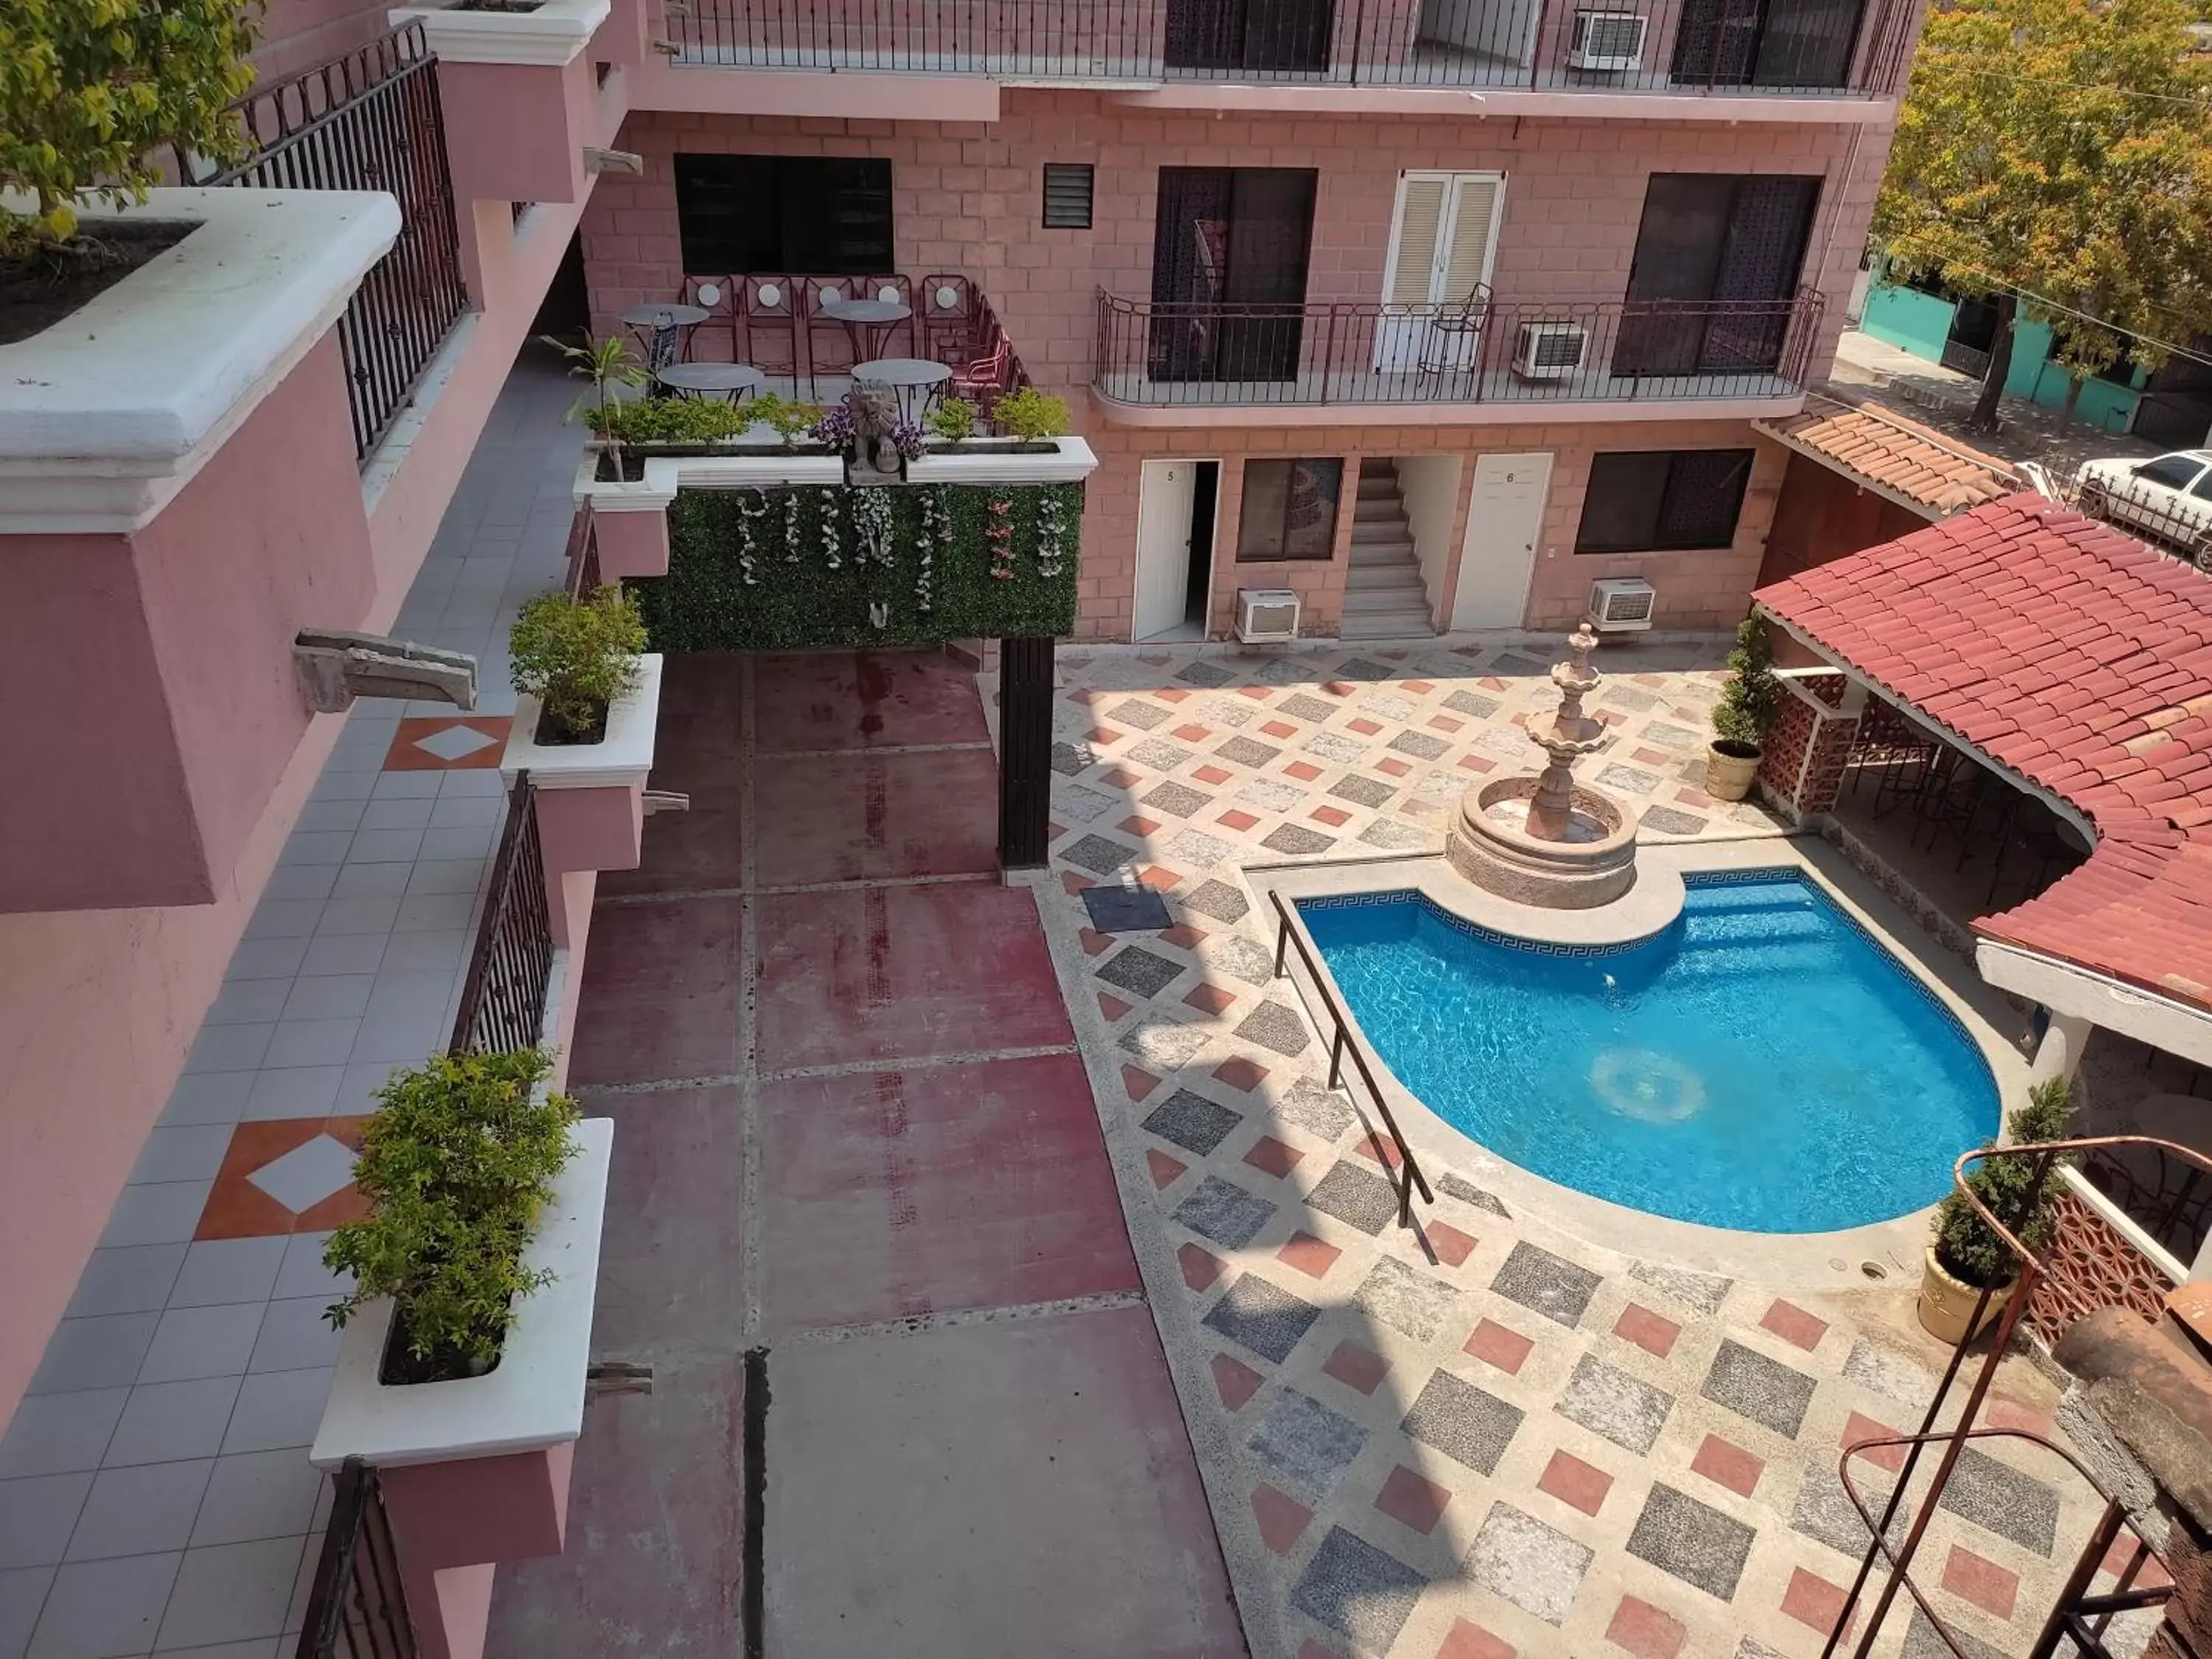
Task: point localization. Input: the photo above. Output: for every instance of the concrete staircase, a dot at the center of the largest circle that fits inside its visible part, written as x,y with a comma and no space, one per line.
1383,597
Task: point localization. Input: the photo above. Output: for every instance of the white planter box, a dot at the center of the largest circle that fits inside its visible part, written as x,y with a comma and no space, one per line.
109,413
534,1398
622,757
1071,461
553,33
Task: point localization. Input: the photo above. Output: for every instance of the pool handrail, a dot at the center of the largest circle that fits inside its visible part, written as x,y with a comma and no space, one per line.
1344,1042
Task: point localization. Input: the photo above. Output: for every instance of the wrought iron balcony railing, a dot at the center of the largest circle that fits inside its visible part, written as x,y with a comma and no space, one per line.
1780,47
1482,351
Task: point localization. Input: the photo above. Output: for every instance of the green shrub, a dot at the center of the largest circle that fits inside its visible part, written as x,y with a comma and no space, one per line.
92,90
1031,414
952,420
1965,1247
789,421
576,656
1751,693
456,1164
667,420
606,364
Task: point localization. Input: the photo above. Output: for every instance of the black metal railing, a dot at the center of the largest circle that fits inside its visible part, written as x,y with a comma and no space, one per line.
370,120
511,969
357,1608
1481,350
1758,47
1406,1176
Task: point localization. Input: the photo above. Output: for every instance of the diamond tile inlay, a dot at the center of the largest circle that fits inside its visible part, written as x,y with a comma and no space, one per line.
307,1175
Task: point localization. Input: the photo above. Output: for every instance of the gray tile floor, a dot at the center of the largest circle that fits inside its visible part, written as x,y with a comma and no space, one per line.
155,1490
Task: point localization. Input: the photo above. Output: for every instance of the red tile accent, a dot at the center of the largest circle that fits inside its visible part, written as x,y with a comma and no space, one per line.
1208,999
1237,819
1355,1367
1139,1082
1394,766
1419,687
1303,771
1159,877
1366,727
1308,1255
1857,1428
1311,1650
1193,734
1272,1157
1651,1332
1281,1518
1166,1170
1341,689
1071,884
1407,1499
1103,735
1183,937
1331,815
1234,1381
1491,683
1210,774
1094,942
1990,1587
2123,1551
1133,825
2010,1414
1495,1345
1467,1640
1812,1601
1795,1326
1279,729
1199,1267
1653,756
1452,1246
1119,777
1172,694
1641,1629
1578,1484
236,1208
1475,763
1445,723
1112,1006
1240,1073
1694,797
1257,693
1376,1149
1727,1465
406,753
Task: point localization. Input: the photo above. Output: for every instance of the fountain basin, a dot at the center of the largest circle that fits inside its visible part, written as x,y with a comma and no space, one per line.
1593,864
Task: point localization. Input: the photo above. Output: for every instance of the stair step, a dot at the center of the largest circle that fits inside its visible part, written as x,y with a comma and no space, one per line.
1385,625
1380,553
1387,578
1390,519
1386,598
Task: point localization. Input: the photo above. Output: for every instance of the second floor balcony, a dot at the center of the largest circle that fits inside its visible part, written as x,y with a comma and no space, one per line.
1787,48
1449,359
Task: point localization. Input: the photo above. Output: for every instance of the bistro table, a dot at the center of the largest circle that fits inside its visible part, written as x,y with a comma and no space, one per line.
869,322
656,328
914,381
735,381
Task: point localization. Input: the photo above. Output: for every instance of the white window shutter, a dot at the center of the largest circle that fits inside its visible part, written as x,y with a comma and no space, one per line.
1468,261
1421,221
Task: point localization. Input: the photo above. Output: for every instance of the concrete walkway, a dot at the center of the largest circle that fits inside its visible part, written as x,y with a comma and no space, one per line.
907,1396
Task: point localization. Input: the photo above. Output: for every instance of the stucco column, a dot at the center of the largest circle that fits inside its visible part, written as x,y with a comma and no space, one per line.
2059,1053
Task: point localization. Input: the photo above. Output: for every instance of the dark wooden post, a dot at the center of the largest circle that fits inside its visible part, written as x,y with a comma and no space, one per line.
1025,679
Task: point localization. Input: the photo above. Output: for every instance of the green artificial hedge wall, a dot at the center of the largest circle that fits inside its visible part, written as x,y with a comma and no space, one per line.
706,603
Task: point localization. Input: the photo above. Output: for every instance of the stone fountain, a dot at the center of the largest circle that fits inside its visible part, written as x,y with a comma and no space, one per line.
1542,838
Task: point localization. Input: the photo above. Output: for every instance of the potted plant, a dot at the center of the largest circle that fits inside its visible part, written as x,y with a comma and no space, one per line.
575,657
1029,416
456,1164
953,422
1965,1256
1749,698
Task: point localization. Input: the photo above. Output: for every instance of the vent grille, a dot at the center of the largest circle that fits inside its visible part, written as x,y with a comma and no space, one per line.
1066,195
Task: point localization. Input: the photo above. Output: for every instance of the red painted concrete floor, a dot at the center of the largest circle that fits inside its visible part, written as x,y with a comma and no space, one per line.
973,1449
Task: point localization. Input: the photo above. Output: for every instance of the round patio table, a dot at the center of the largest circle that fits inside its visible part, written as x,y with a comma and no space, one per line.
914,381
869,322
655,327
735,381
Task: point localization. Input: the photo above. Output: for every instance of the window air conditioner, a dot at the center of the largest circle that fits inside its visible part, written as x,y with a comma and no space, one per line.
1266,616
1550,351
1606,40
1621,604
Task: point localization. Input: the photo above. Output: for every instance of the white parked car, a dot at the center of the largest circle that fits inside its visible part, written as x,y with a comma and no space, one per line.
2169,497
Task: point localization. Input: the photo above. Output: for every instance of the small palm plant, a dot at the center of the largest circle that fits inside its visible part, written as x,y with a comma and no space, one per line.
606,363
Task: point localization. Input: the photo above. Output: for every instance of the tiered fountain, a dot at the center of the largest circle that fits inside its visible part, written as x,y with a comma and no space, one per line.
1542,838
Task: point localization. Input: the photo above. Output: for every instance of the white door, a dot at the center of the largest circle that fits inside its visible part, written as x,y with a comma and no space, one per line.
1504,521
1163,504
1442,238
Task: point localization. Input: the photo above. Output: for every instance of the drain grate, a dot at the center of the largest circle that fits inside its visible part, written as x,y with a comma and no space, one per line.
1129,908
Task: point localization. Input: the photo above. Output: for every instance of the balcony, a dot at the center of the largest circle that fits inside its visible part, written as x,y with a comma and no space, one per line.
1763,48
1487,359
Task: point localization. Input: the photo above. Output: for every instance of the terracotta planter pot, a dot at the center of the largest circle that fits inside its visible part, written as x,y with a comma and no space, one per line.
1730,765
1946,1305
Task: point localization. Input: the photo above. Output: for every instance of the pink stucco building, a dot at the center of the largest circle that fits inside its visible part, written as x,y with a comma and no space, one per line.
1431,314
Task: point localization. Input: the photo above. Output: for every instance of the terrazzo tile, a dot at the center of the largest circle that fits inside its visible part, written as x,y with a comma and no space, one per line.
1273,1026
2002,1499
1473,703
1420,744
1195,850
1158,754
1225,1212
1824,1511
1144,972
1606,1400
1355,1196
1164,1042
1537,1568
1357,1589
1217,899
1192,1121
1466,1192
1765,1390
1702,1291
1388,837
1889,1373
1262,1316
1469,1425
1296,839
1338,746
1305,707
1137,714
1694,1541
1550,1284
1247,751
1417,1303
1176,799
1305,1442
1097,854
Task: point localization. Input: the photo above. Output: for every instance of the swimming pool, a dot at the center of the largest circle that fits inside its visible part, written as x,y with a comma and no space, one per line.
1762,1064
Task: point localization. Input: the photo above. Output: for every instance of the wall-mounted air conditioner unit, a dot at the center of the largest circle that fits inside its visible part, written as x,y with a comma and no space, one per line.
1266,616
1549,351
1621,604
1610,40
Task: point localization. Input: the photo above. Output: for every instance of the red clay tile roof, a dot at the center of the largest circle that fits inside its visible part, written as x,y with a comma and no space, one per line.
2080,660
1882,447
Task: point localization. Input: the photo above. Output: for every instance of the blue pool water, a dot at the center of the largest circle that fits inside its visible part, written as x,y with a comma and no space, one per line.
1760,1064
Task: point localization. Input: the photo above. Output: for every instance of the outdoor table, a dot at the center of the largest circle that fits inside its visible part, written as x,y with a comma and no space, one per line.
735,381
914,381
655,327
869,322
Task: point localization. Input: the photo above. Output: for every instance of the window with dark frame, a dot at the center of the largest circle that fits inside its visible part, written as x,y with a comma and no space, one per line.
1662,500
829,214
1289,510
1067,186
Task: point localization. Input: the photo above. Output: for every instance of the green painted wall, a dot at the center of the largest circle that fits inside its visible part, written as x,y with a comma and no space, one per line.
1906,317
1920,323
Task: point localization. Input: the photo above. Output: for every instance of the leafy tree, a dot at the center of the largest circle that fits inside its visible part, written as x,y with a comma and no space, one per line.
1965,1247
2055,157
91,89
